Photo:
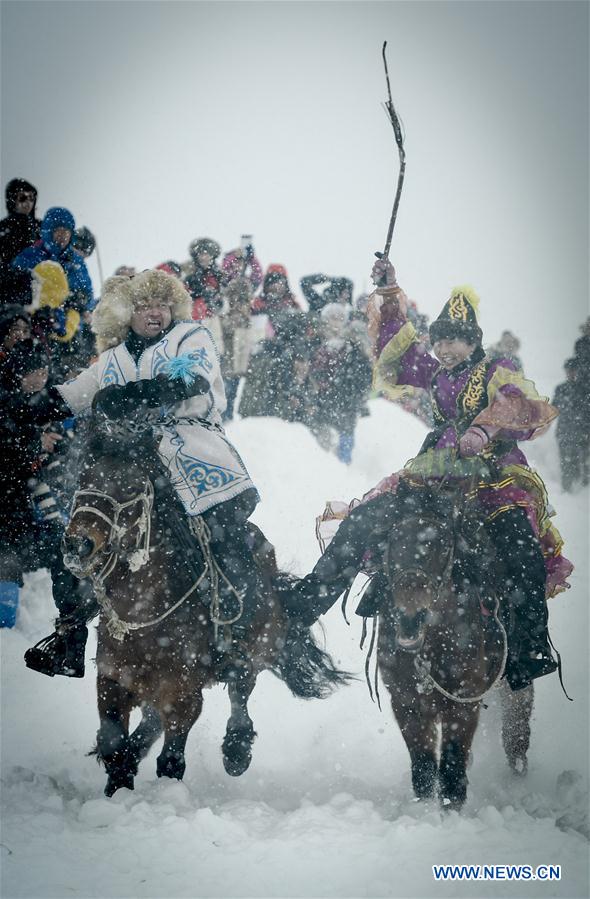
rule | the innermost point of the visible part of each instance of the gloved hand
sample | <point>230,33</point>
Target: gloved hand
<point>383,273</point>
<point>113,401</point>
<point>473,441</point>
<point>249,252</point>
<point>117,401</point>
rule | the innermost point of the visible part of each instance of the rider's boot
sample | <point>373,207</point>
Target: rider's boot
<point>530,654</point>
<point>62,652</point>
<point>524,577</point>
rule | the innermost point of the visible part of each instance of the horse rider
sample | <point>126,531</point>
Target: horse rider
<point>481,409</point>
<point>153,356</point>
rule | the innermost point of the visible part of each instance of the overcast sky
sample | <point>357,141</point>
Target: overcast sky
<point>160,122</point>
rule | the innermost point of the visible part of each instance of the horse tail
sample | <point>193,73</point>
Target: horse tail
<point>308,671</point>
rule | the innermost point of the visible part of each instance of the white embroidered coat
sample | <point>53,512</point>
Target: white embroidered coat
<point>205,469</point>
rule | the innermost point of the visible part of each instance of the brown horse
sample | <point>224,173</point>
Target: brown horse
<point>162,633</point>
<point>442,644</point>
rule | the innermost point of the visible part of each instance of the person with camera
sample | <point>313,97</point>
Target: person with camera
<point>243,263</point>
<point>31,521</point>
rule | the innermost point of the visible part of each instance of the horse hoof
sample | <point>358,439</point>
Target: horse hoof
<point>172,767</point>
<point>519,766</point>
<point>117,783</point>
<point>237,751</point>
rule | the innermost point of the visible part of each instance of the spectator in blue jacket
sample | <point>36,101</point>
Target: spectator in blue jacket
<point>57,229</point>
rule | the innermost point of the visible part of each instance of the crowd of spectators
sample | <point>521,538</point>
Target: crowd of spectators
<point>572,398</point>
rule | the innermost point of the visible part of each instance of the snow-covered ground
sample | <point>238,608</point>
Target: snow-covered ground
<point>326,808</point>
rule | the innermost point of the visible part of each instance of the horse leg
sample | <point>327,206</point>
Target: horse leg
<point>517,708</point>
<point>420,735</point>
<point>458,729</point>
<point>178,718</point>
<point>240,733</point>
<point>146,733</point>
<point>112,739</point>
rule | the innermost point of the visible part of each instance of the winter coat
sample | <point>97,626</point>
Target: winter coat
<point>204,467</point>
<point>235,324</point>
<point>17,232</point>
<point>72,263</point>
<point>247,266</point>
<point>21,456</point>
<point>342,373</point>
<point>205,286</point>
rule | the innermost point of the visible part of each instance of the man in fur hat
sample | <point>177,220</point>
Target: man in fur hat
<point>481,408</point>
<point>153,355</point>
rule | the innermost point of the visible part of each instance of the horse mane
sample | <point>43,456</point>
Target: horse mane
<point>475,556</point>
<point>125,440</point>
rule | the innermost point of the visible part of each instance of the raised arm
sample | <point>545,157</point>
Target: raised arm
<point>402,362</point>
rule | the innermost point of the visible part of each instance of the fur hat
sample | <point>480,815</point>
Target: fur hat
<point>458,317</point>
<point>112,317</point>
<point>50,285</point>
<point>204,245</point>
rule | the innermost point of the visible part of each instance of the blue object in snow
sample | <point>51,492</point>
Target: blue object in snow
<point>8,603</point>
<point>345,447</point>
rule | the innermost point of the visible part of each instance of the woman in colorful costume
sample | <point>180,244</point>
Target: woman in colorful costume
<point>154,356</point>
<point>481,409</point>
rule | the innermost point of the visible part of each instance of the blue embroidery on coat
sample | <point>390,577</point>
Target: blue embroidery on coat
<point>112,373</point>
<point>203,477</point>
<point>160,359</point>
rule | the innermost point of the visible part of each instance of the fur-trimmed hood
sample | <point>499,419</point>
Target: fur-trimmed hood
<point>112,317</point>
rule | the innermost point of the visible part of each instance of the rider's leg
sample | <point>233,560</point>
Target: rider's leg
<point>337,568</point>
<point>522,558</point>
<point>63,651</point>
<point>230,548</point>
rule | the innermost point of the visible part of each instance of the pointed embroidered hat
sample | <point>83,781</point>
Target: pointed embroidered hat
<point>458,318</point>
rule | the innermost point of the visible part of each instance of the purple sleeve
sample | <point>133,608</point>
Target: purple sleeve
<point>509,390</point>
<point>416,367</point>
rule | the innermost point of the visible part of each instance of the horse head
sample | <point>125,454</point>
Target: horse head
<point>111,510</point>
<point>419,560</point>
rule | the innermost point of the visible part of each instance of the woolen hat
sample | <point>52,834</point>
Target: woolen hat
<point>458,318</point>
<point>84,240</point>
<point>56,217</point>
<point>16,187</point>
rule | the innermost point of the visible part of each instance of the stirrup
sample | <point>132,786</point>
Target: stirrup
<point>50,656</point>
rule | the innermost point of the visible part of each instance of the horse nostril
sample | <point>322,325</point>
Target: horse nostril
<point>78,546</point>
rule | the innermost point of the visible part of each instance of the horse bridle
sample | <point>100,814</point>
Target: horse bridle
<point>140,552</point>
<point>428,578</point>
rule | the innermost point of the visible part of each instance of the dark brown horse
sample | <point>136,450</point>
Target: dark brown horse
<point>442,644</point>
<point>161,634</point>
